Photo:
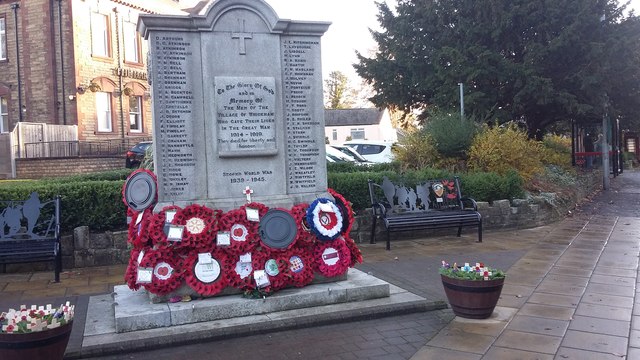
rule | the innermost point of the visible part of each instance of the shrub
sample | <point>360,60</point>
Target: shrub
<point>417,151</point>
<point>556,150</point>
<point>97,204</point>
<point>480,186</point>
<point>451,135</point>
<point>491,186</point>
<point>500,149</point>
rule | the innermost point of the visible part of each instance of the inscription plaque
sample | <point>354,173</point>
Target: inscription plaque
<point>245,112</point>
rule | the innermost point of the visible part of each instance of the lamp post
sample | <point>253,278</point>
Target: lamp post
<point>461,85</point>
<point>605,146</point>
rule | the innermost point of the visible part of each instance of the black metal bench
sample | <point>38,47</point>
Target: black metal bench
<point>30,232</point>
<point>433,204</point>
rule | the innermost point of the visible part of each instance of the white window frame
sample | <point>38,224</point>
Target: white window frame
<point>103,112</point>
<point>131,43</point>
<point>334,134</point>
<point>4,115</point>
<point>357,131</point>
<point>100,35</point>
<point>3,38</point>
<point>135,117</point>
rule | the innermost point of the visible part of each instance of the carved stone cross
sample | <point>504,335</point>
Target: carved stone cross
<point>242,36</point>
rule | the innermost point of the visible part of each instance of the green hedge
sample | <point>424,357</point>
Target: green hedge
<point>96,200</point>
<point>480,186</point>
<point>94,203</point>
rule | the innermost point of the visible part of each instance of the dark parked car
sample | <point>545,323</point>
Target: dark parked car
<point>136,154</point>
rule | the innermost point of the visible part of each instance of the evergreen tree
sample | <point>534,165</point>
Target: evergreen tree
<point>537,62</point>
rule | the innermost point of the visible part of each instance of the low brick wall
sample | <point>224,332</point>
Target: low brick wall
<point>56,167</point>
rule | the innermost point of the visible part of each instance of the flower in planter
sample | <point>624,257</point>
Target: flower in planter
<point>468,272</point>
<point>35,318</point>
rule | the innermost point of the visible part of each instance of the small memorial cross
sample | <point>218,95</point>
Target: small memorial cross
<point>247,191</point>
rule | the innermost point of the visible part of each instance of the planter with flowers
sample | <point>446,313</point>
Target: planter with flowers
<point>35,333</point>
<point>472,291</point>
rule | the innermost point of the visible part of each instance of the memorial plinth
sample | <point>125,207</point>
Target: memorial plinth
<point>237,101</point>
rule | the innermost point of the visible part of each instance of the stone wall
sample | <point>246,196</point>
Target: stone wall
<point>55,167</point>
<point>85,249</point>
<point>500,214</point>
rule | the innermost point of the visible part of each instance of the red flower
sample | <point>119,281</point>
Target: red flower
<point>139,228</point>
<point>356,255</point>
<point>156,226</point>
<point>304,237</point>
<point>343,204</point>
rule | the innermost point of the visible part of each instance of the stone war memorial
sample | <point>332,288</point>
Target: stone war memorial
<point>238,208</point>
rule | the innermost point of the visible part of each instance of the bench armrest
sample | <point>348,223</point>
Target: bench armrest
<point>468,203</point>
<point>378,209</point>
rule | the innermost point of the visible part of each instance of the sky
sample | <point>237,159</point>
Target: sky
<point>349,32</point>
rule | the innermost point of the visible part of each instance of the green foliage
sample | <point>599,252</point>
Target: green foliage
<point>483,186</point>
<point>338,94</point>
<point>353,167</point>
<point>556,150</point>
<point>456,272</point>
<point>452,136</point>
<point>417,151</point>
<point>113,175</point>
<point>500,149</point>
<point>480,186</point>
<point>97,204</point>
<point>147,161</point>
<point>537,61</point>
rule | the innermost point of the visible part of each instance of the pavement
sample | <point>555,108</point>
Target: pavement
<point>570,293</point>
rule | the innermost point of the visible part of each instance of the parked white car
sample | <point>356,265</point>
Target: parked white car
<point>335,155</point>
<point>374,151</point>
<point>352,153</point>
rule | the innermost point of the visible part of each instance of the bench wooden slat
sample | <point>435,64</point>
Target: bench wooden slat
<point>435,204</point>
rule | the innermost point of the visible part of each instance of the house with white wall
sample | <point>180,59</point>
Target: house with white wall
<point>358,124</point>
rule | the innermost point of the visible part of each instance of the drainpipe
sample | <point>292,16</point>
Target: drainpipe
<point>64,93</point>
<point>115,10</point>
<point>15,7</point>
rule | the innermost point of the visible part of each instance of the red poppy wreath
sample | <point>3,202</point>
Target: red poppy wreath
<point>332,258</point>
<point>167,273</point>
<point>205,272</point>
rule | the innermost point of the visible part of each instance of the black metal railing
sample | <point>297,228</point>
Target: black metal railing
<point>45,149</point>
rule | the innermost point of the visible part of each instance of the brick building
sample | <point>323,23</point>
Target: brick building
<point>77,62</point>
